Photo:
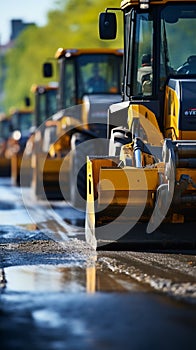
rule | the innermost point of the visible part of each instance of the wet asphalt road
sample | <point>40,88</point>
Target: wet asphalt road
<point>57,293</point>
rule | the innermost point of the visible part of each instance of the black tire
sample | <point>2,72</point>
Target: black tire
<point>80,148</point>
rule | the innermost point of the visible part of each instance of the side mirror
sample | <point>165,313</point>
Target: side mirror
<point>27,101</point>
<point>47,70</point>
<point>107,25</point>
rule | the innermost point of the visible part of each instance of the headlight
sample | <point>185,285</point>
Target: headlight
<point>16,135</point>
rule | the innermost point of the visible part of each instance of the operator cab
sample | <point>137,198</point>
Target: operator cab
<point>86,72</point>
<point>172,24</point>
<point>90,73</point>
<point>164,34</point>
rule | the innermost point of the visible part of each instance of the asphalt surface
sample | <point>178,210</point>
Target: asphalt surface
<point>56,292</point>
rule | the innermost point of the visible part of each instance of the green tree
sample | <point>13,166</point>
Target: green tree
<point>72,24</point>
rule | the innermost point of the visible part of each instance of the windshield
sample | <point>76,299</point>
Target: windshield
<point>99,74</point>
<point>177,46</point>
<point>178,40</point>
<point>48,105</point>
<point>91,74</point>
<point>22,121</point>
<point>142,55</point>
<point>51,102</point>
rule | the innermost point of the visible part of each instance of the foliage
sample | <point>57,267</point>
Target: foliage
<point>71,24</point>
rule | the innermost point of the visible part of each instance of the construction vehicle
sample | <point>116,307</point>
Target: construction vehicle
<point>45,105</point>
<point>45,101</point>
<point>143,192</point>
<point>21,123</point>
<point>82,115</point>
<point>5,164</point>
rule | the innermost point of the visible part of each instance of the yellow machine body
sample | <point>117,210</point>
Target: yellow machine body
<point>82,112</point>
<point>144,190</point>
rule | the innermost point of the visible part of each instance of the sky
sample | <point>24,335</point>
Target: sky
<point>27,10</point>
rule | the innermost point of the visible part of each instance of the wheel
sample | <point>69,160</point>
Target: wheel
<point>165,191</point>
<point>80,148</point>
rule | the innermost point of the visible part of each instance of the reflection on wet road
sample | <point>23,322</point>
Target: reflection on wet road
<point>37,278</point>
<point>18,206</point>
<point>52,278</point>
<point>79,321</point>
<point>50,307</point>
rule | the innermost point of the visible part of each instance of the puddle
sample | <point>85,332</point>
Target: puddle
<point>42,278</point>
<point>22,209</point>
<point>59,278</point>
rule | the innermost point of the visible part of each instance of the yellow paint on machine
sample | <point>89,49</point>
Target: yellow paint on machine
<point>124,186</point>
